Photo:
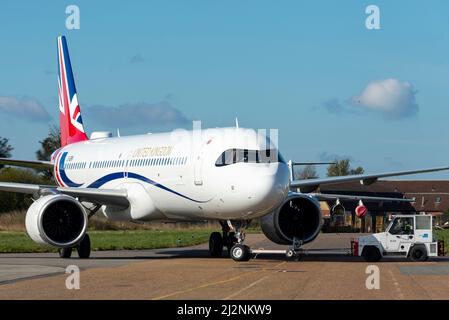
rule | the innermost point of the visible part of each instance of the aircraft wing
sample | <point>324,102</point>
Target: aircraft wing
<point>322,196</point>
<point>309,185</point>
<point>35,164</point>
<point>113,197</point>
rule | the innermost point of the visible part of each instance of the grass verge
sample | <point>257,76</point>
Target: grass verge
<point>16,241</point>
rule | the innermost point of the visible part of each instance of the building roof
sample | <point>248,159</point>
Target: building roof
<point>430,195</point>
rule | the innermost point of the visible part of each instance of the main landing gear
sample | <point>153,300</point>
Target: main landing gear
<point>232,239</point>
<point>83,249</point>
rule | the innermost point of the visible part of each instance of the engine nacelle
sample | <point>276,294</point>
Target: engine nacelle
<point>298,216</point>
<point>57,220</point>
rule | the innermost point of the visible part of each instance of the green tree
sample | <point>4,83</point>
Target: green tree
<point>49,145</point>
<point>343,168</point>
<point>10,201</point>
<point>358,170</point>
<point>308,172</point>
<point>5,149</point>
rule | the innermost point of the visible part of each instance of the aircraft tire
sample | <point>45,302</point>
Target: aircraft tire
<point>65,253</point>
<point>84,247</point>
<point>240,252</point>
<point>215,244</point>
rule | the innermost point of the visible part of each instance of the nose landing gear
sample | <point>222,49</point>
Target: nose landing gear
<point>240,252</point>
<point>232,238</point>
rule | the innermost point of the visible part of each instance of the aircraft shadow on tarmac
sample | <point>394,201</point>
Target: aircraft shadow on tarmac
<point>179,253</point>
<point>204,254</point>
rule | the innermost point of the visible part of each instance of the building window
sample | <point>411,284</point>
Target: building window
<point>438,200</point>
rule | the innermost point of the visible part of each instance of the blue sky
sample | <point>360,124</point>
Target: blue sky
<point>309,68</point>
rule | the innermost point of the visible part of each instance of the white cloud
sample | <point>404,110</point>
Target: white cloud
<point>392,97</point>
<point>24,108</point>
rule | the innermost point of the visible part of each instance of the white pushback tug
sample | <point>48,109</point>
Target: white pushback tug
<point>406,235</point>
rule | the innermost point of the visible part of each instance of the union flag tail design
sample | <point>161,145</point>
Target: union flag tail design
<point>70,120</point>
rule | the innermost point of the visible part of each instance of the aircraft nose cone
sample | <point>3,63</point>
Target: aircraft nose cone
<point>272,188</point>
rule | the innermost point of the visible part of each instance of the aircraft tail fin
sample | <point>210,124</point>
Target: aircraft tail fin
<point>71,123</point>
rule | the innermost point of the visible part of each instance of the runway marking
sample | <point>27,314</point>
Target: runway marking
<point>396,284</point>
<point>209,284</point>
<point>246,288</point>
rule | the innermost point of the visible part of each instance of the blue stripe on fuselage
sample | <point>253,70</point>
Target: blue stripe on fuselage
<point>114,176</point>
<point>64,177</point>
<point>119,175</point>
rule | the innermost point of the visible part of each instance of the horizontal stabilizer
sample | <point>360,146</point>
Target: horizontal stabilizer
<point>35,164</point>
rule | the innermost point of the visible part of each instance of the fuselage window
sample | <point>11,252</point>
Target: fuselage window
<point>232,156</point>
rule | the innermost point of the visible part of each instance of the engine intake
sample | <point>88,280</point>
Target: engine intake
<point>298,216</point>
<point>57,220</point>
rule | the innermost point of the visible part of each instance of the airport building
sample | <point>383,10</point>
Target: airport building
<point>430,196</point>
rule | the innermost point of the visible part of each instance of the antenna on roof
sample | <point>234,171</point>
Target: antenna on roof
<point>236,122</point>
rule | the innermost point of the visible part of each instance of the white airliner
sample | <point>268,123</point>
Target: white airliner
<point>230,175</point>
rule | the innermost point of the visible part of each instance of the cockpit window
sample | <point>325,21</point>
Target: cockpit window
<point>232,156</point>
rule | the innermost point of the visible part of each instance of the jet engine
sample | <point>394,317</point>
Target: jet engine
<point>299,216</point>
<point>57,220</point>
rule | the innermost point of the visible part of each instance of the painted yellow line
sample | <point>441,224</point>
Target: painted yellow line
<point>209,284</point>
<point>247,287</point>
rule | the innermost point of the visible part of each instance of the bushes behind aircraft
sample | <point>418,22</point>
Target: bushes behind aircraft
<point>10,201</point>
